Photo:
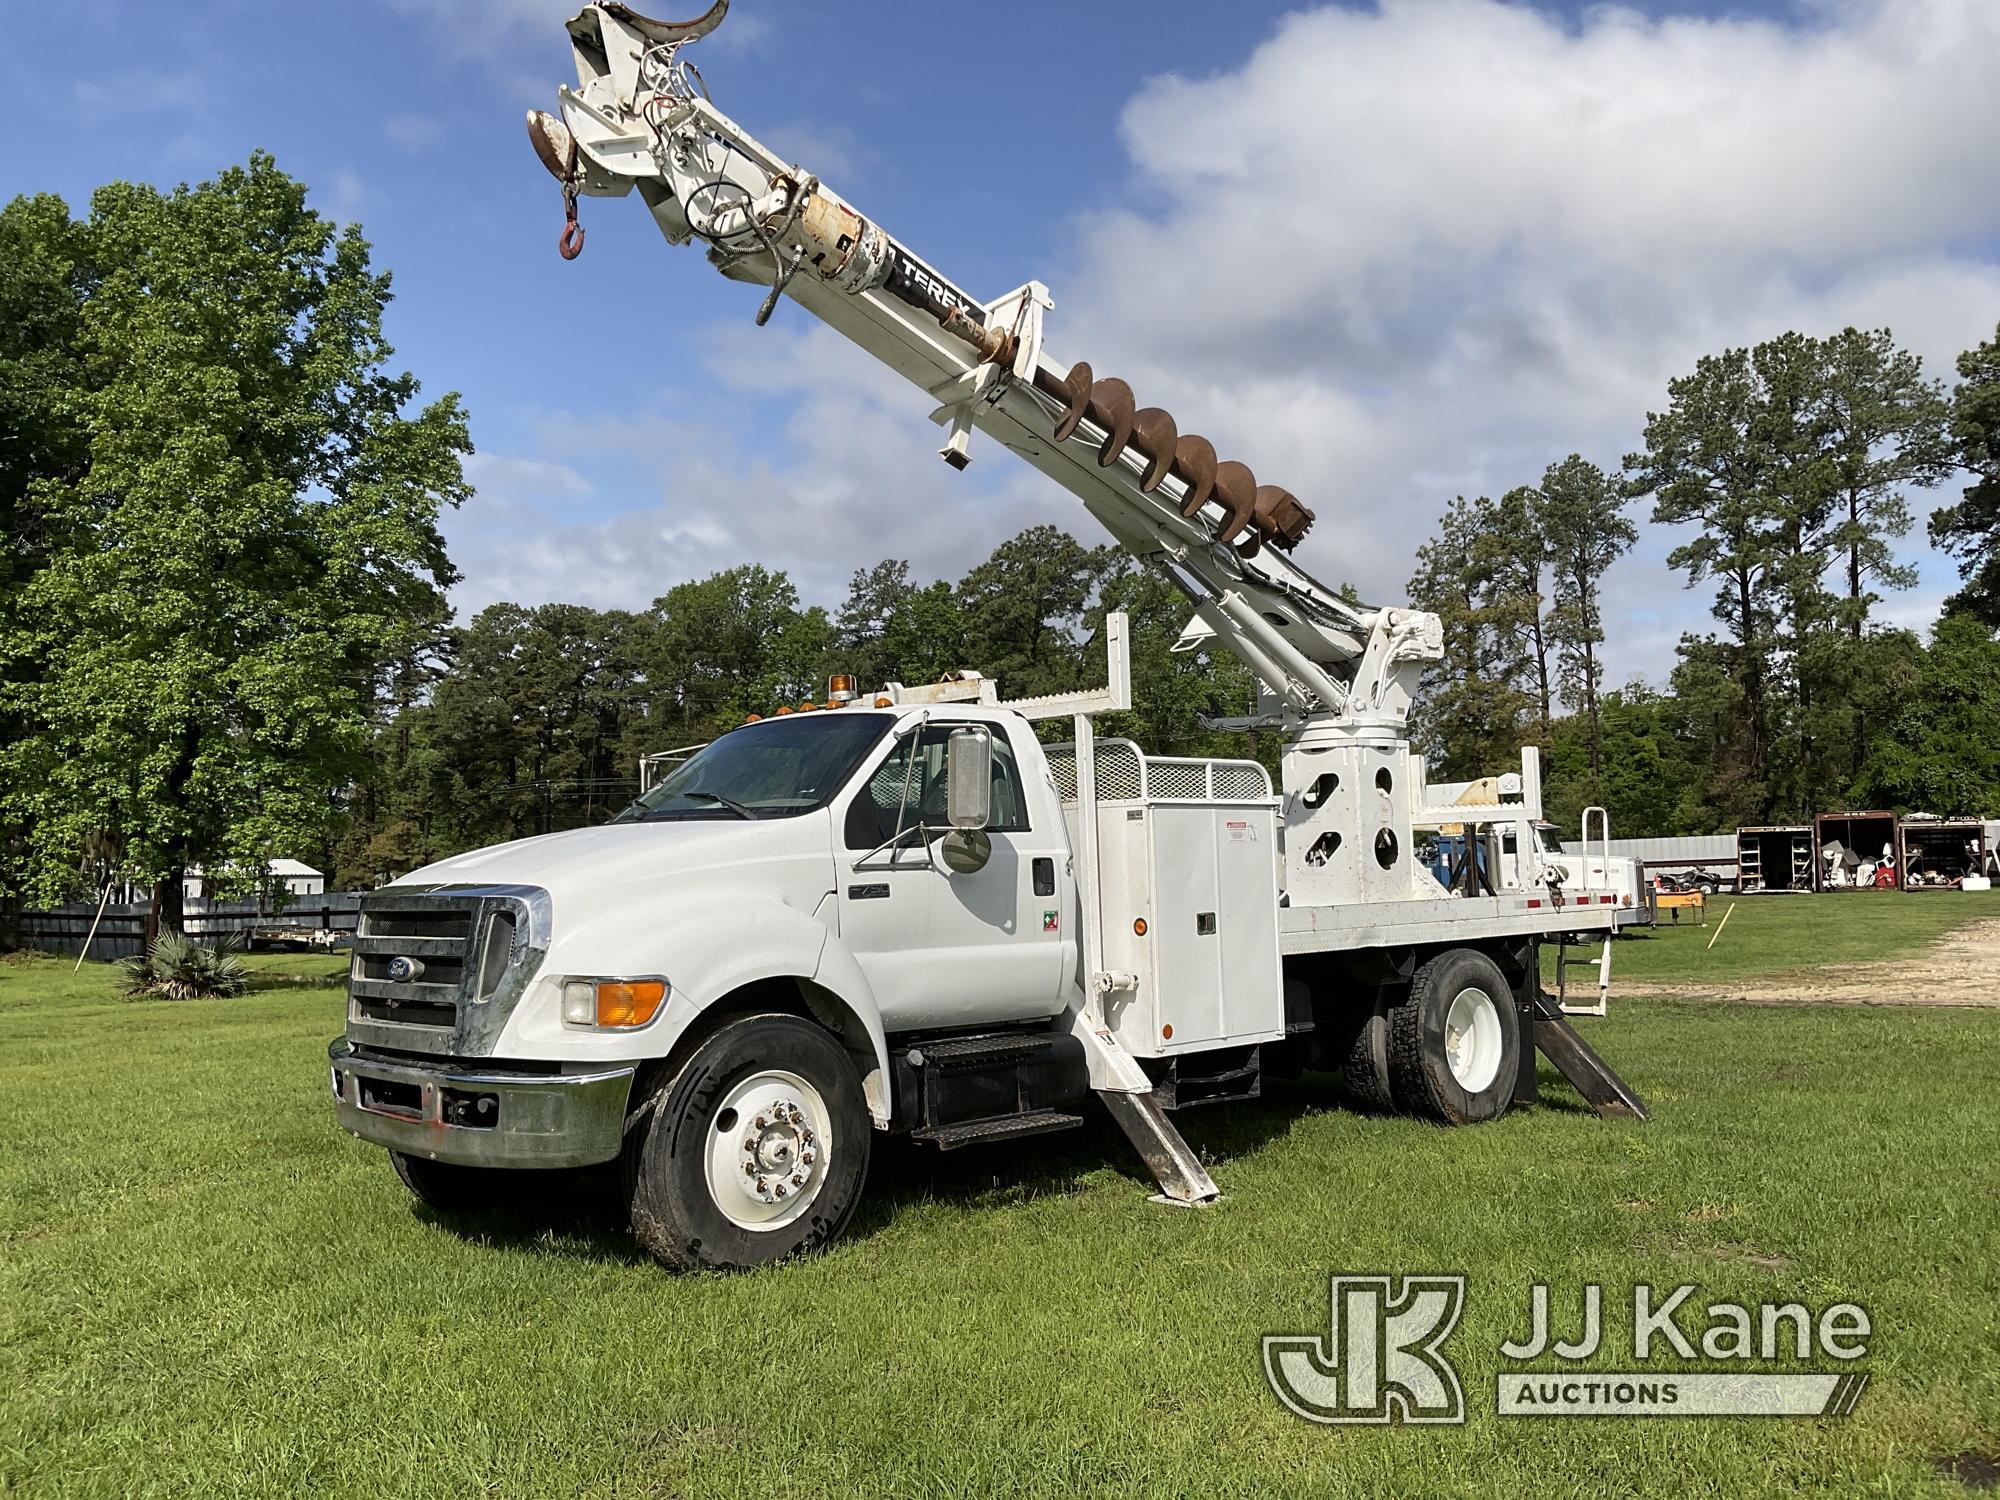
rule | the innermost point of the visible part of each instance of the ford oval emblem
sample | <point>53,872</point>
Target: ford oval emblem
<point>403,970</point>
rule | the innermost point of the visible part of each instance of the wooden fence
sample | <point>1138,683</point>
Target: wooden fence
<point>122,933</point>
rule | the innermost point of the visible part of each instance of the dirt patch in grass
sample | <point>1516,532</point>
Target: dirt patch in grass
<point>1976,1471</point>
<point>1959,968</point>
<point>1724,1250</point>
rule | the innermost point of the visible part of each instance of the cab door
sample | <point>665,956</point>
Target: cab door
<point>943,948</point>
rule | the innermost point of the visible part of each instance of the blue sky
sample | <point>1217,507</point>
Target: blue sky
<point>1388,252</point>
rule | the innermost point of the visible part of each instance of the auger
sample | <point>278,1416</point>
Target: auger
<point>900,910</point>
<point>642,117</point>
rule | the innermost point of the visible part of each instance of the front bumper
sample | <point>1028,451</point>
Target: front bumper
<point>454,1113</point>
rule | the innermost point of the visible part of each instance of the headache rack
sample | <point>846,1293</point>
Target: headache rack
<point>1125,773</point>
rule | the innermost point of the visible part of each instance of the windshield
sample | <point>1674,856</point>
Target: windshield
<point>774,768</point>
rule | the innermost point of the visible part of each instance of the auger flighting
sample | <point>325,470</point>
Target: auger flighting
<point>641,117</point>
<point>910,913</point>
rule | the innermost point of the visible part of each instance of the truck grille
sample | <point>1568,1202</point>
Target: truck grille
<point>438,970</point>
<point>431,942</point>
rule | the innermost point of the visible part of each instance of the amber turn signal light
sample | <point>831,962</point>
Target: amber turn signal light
<point>629,1002</point>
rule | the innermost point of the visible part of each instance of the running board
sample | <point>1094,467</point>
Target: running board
<point>996,1128</point>
<point>1170,1159</point>
<point>1602,1089</point>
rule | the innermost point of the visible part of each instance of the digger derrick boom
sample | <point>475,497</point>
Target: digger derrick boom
<point>1338,677</point>
<point>641,117</point>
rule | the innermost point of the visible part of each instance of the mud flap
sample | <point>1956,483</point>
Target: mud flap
<point>1558,1041</point>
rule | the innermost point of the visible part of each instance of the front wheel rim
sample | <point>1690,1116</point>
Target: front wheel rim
<point>769,1145</point>
<point>1472,1039</point>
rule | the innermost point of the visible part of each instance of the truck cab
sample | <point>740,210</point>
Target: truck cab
<point>860,872</point>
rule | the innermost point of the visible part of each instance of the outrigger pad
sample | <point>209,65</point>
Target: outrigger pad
<point>1603,1090</point>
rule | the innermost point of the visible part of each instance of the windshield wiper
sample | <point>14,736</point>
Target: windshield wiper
<point>729,802</point>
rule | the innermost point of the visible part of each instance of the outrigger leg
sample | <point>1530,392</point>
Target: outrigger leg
<point>1602,1089</point>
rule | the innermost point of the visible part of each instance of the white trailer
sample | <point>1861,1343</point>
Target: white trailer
<point>901,912</point>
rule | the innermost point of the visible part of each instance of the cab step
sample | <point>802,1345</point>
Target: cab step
<point>996,1128</point>
<point>958,1090</point>
<point>967,1053</point>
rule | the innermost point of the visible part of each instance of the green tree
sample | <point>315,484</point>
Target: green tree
<point>1582,528</point>
<point>250,537</point>
<point>924,637</point>
<point>1473,711</point>
<point>1650,764</point>
<point>1885,429</point>
<point>864,619</point>
<point>732,644</point>
<point>385,827</point>
<point>1172,691</point>
<point>1970,530</point>
<point>1708,463</point>
<point>44,276</point>
<point>1941,750</point>
<point>891,630</point>
<point>1522,567</point>
<point>1025,608</point>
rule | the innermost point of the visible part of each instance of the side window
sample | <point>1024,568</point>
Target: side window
<point>1010,808</point>
<point>872,816</point>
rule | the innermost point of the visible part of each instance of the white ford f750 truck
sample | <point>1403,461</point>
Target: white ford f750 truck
<point>901,911</point>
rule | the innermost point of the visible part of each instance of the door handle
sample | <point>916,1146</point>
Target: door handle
<point>1045,876</point>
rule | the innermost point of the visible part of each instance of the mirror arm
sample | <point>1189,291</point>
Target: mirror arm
<point>897,838</point>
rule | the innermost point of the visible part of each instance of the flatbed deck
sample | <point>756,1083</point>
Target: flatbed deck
<point>1457,921</point>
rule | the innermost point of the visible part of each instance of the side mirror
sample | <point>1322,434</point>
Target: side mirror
<point>969,778</point>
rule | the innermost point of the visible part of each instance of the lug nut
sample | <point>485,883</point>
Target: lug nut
<point>781,1190</point>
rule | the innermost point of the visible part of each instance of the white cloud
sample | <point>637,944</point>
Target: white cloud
<point>832,152</point>
<point>415,134</point>
<point>1397,254</point>
<point>142,91</point>
<point>1429,247</point>
<point>344,195</point>
<point>834,469</point>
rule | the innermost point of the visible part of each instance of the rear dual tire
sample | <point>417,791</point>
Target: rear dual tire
<point>1454,1041</point>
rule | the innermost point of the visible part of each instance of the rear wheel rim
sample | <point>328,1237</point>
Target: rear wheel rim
<point>769,1142</point>
<point>1472,1039</point>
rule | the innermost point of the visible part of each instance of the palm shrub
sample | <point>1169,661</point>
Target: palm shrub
<point>176,968</point>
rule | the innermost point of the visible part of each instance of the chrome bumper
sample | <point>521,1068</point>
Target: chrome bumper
<point>456,1114</point>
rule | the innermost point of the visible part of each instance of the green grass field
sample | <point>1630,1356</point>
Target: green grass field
<point>206,1289</point>
<point>1772,935</point>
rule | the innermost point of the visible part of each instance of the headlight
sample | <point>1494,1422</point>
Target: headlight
<point>612,1004</point>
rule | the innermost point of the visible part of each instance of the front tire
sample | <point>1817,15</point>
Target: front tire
<point>752,1150</point>
<point>1455,1041</point>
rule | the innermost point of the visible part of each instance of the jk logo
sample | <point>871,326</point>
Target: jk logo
<point>1379,1361</point>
